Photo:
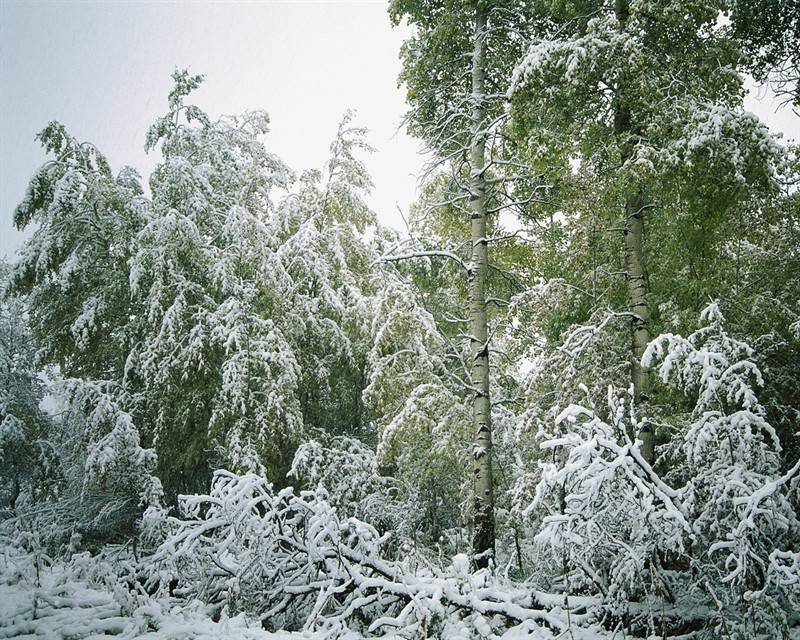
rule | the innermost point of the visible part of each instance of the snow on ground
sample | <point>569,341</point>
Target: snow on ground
<point>65,608</point>
<point>75,611</point>
<point>63,604</point>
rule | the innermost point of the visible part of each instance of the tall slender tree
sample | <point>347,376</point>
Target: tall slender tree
<point>483,534</point>
<point>456,68</point>
<point>633,229</point>
<point>644,99</point>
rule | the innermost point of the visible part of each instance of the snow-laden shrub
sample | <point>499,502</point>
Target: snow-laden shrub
<point>346,471</point>
<point>294,562</point>
<point>99,477</point>
<point>116,462</point>
<point>25,458</point>
<point>245,546</point>
<point>728,456</point>
<point>714,529</point>
<point>609,521</point>
<point>415,395</point>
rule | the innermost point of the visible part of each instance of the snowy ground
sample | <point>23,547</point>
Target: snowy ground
<point>75,611</point>
<point>65,608</point>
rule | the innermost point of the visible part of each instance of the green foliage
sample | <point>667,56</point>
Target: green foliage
<point>436,70</point>
<point>74,270</point>
<point>221,320</point>
<point>25,457</point>
<point>770,32</point>
<point>242,316</point>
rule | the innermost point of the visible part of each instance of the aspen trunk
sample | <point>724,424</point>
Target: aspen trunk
<point>636,280</point>
<point>637,302</point>
<point>637,294</point>
<point>483,496</point>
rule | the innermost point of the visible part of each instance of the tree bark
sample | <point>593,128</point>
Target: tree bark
<point>635,277</point>
<point>483,494</point>
<point>637,302</point>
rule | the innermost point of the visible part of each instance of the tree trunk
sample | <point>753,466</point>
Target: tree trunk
<point>637,302</point>
<point>483,497</point>
<point>635,207</point>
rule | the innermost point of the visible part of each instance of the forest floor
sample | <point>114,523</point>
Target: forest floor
<point>59,606</point>
<point>62,604</point>
<point>71,611</point>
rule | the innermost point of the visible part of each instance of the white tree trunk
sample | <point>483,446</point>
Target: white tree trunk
<point>637,301</point>
<point>635,277</point>
<point>483,497</point>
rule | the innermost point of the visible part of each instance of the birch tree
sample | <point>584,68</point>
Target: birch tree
<point>483,535</point>
<point>455,67</point>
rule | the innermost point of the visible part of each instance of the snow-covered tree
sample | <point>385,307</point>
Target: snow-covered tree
<point>73,269</point>
<point>205,268</point>
<point>456,67</point>
<point>718,528</point>
<point>224,314</point>
<point>645,99</point>
<point>24,453</point>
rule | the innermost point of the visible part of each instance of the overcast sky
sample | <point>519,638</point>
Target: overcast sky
<point>102,68</point>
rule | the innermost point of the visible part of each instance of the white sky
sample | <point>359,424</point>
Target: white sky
<point>102,68</point>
